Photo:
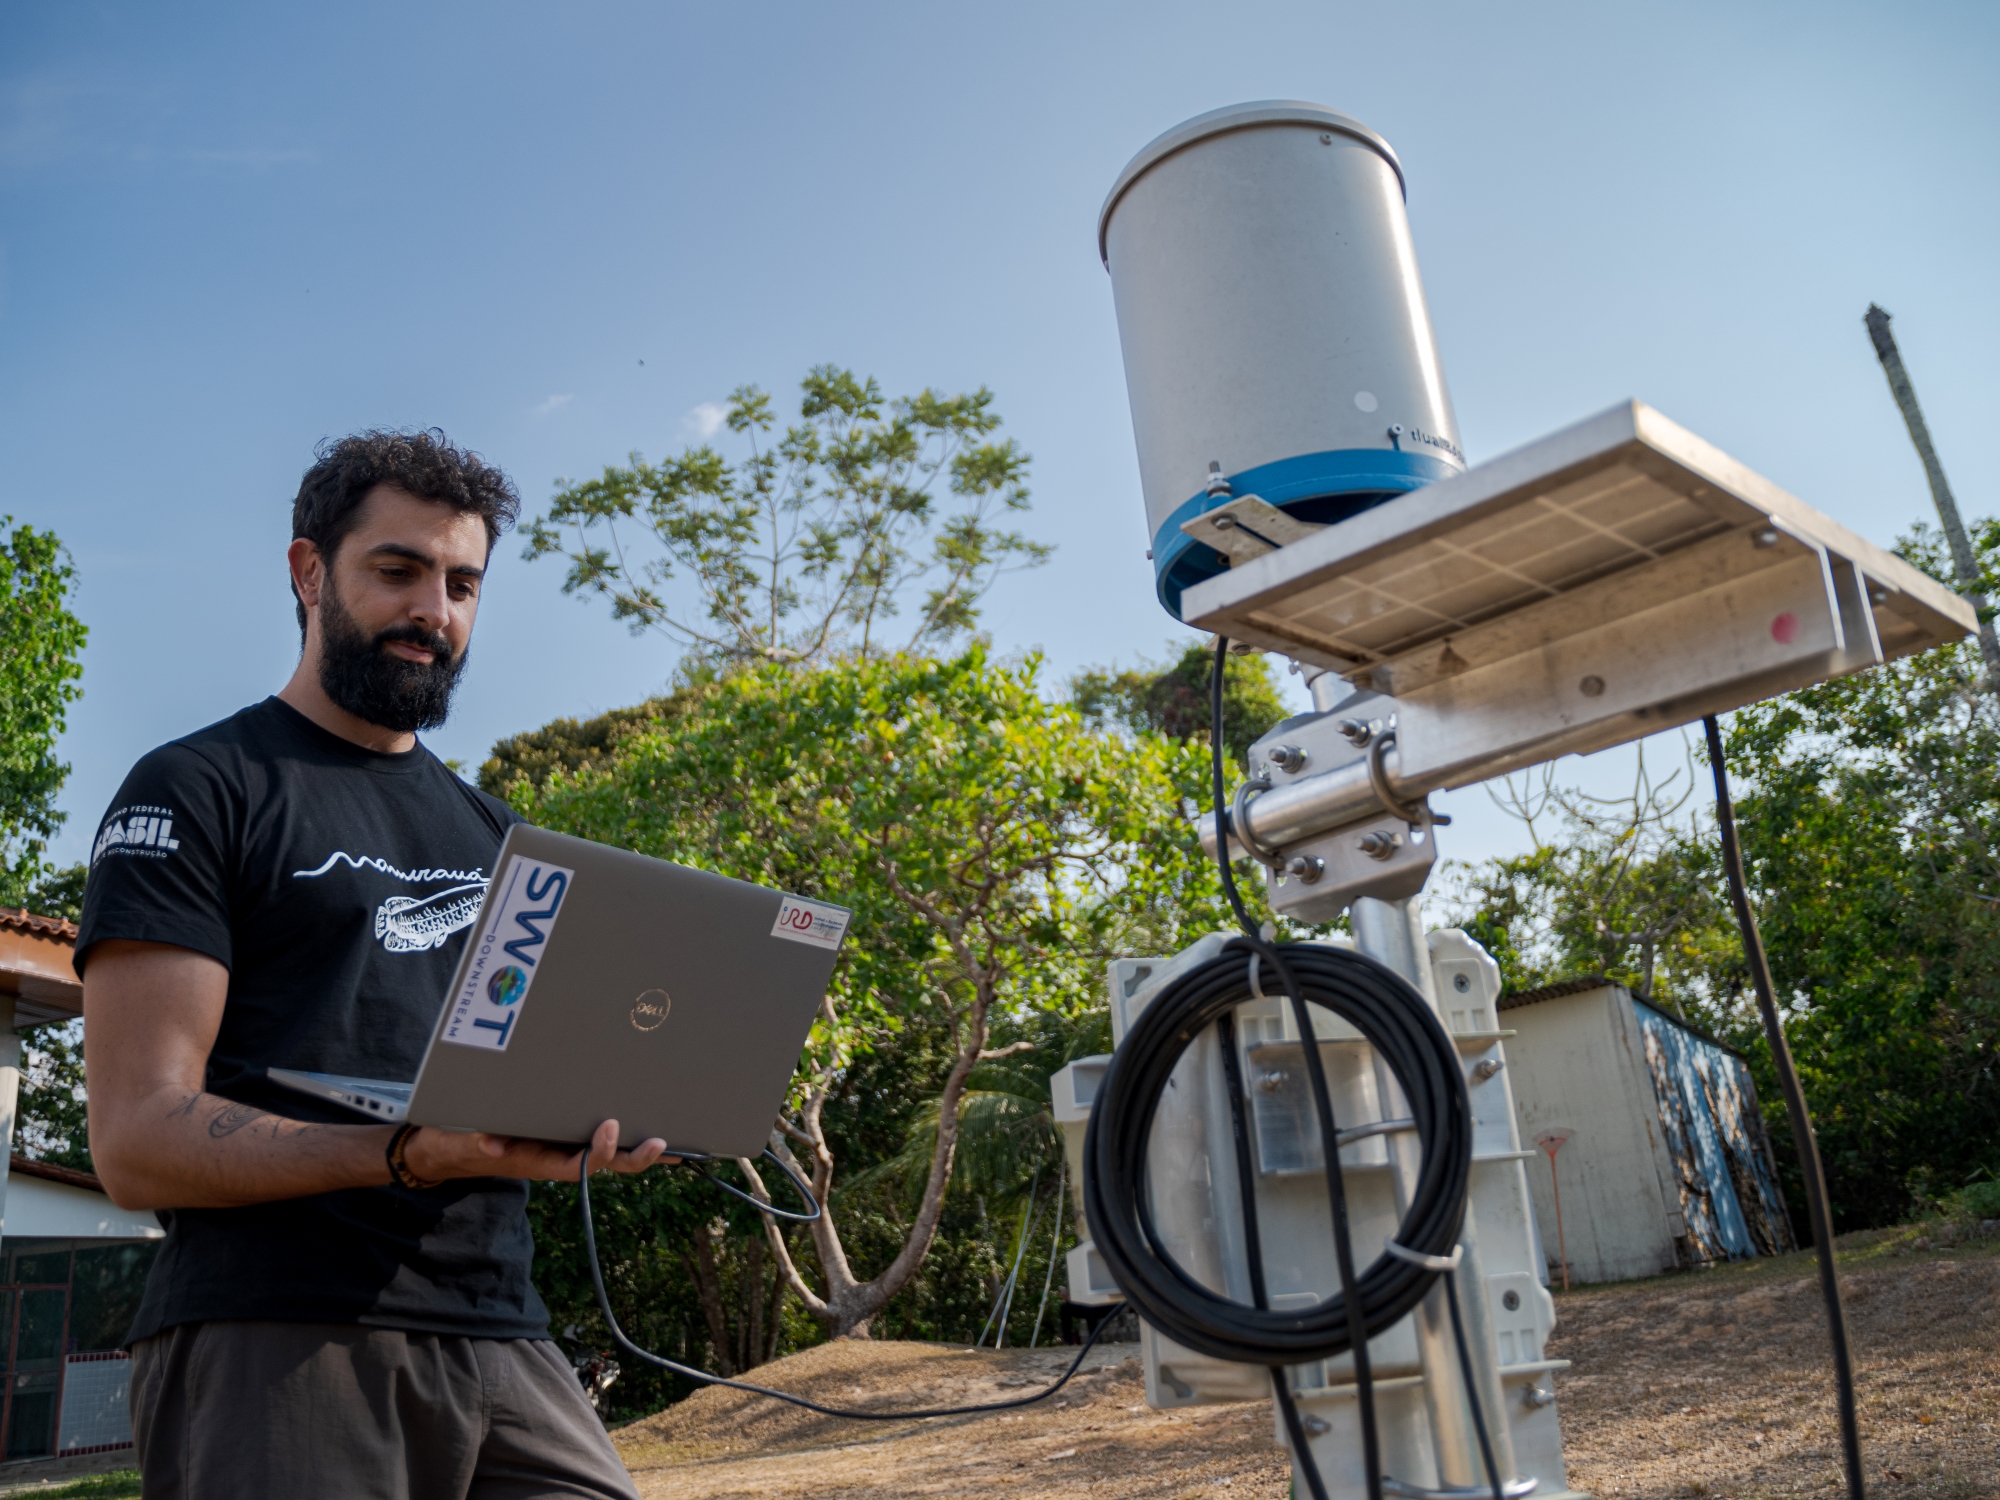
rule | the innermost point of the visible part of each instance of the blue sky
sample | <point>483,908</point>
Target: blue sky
<point>228,231</point>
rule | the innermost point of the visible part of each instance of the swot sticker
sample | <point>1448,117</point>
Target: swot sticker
<point>810,922</point>
<point>506,953</point>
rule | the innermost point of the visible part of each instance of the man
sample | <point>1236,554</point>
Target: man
<point>339,1309</point>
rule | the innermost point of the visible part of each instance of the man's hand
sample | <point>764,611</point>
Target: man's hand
<point>440,1155</point>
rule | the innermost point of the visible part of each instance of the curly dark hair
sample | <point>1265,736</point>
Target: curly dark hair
<point>425,464</point>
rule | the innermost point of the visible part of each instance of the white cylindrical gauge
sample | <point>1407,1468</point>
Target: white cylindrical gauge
<point>1273,324</point>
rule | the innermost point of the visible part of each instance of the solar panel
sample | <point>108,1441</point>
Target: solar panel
<point>1608,581</point>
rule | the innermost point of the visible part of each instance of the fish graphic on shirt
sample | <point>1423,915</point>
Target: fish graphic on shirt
<point>411,924</point>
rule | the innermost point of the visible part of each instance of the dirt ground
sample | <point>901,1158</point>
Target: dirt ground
<point>1706,1385</point>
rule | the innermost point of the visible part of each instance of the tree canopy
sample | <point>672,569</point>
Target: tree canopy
<point>994,849</point>
<point>41,643</point>
<point>810,545</point>
<point>1172,698</point>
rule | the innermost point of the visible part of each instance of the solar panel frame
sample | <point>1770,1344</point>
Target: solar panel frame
<point>1616,495</point>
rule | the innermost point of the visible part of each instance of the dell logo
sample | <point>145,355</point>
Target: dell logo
<point>650,1009</point>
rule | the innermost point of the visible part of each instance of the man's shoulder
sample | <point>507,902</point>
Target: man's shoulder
<point>491,809</point>
<point>211,749</point>
<point>248,730</point>
<point>501,813</point>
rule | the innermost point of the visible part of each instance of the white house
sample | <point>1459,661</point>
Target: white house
<point>72,1263</point>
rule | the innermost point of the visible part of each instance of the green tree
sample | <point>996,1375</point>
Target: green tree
<point>811,545</point>
<point>994,851</point>
<point>1172,700</point>
<point>51,1123</point>
<point>1626,887</point>
<point>1870,813</point>
<point>40,643</point>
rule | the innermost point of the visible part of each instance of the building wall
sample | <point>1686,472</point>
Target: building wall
<point>1715,1137</point>
<point>1579,1064</point>
<point>36,1206</point>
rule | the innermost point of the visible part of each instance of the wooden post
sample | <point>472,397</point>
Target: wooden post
<point>1964,562</point>
<point>1553,1141</point>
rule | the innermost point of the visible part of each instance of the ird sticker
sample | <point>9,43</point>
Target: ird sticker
<point>506,953</point>
<point>810,922</point>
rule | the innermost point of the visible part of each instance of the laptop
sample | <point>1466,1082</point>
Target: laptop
<point>601,984</point>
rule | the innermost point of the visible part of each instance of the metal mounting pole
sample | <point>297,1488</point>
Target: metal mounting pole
<point>1964,562</point>
<point>1392,933</point>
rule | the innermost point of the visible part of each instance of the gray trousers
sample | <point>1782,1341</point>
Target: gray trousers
<point>331,1411</point>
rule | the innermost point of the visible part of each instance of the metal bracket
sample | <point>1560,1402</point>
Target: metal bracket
<point>1428,1262</point>
<point>1247,527</point>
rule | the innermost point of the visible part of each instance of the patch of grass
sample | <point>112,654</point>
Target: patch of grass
<point>120,1485</point>
<point>1851,1252</point>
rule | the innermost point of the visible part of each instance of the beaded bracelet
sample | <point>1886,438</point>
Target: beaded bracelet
<point>399,1167</point>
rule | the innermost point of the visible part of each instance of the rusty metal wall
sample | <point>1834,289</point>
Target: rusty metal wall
<point>1715,1137</point>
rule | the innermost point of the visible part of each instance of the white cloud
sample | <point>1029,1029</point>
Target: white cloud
<point>705,421</point>
<point>553,403</point>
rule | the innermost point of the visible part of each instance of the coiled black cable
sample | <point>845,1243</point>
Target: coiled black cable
<point>1394,1020</point>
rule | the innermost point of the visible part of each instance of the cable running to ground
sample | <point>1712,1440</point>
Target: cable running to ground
<point>1803,1140</point>
<point>689,1372</point>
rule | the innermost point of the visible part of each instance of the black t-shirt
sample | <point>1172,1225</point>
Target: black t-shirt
<point>336,884</point>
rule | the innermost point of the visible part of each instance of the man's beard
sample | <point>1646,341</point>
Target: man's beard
<point>376,687</point>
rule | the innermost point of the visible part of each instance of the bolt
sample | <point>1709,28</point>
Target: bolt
<point>1326,140</point>
<point>1460,983</point>
<point>1218,482</point>
<point>1765,537</point>
<point>1535,1398</point>
<point>1223,523</point>
<point>1485,1068</point>
<point>1313,1425</point>
<point>1511,1301</point>
<point>1358,731</point>
<point>1149,554</point>
<point>1286,757</point>
<point>1591,686</point>
<point>1304,870</point>
<point>1381,844</point>
<point>1270,1083</point>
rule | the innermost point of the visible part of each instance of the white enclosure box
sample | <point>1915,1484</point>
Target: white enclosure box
<point>1198,1214</point>
<point>1273,324</point>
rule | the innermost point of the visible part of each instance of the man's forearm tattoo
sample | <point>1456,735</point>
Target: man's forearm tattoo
<point>232,1118</point>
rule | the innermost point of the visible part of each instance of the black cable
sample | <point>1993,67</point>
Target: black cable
<point>695,1159</point>
<point>1803,1140</point>
<point>1471,1385</point>
<point>689,1372</point>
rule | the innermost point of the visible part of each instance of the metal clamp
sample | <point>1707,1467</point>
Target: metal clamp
<point>1355,1133</point>
<point>1418,816</point>
<point>1239,821</point>
<point>1512,1489</point>
<point>1429,1263</point>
